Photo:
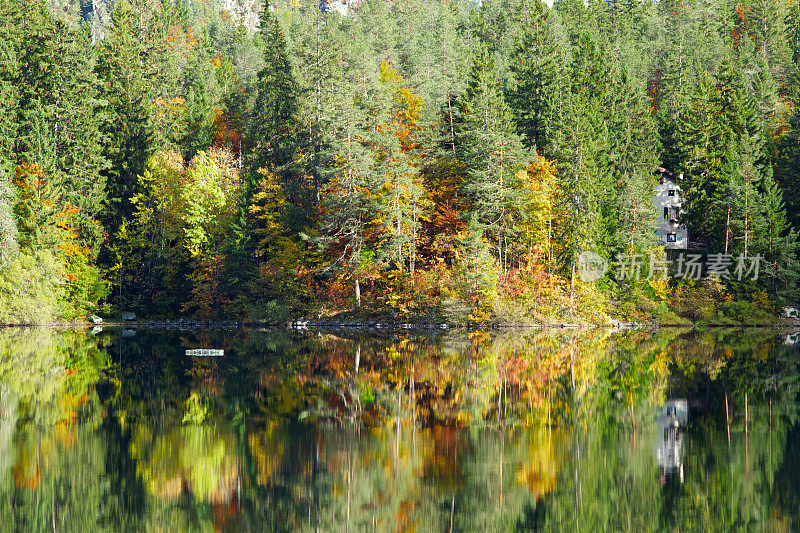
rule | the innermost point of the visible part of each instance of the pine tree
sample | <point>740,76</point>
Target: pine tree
<point>745,223</point>
<point>778,241</point>
<point>583,177</point>
<point>316,49</point>
<point>535,65</point>
<point>121,66</point>
<point>772,48</point>
<point>580,20</point>
<point>792,22</point>
<point>770,107</point>
<point>437,63</point>
<point>736,100</point>
<point>579,149</point>
<point>59,116</point>
<point>271,135</point>
<point>203,94</point>
<point>9,114</point>
<point>11,25</point>
<point>8,225</point>
<point>346,112</point>
<point>692,46</point>
<point>706,143</point>
<point>492,151</point>
<point>725,155</point>
<point>632,156</point>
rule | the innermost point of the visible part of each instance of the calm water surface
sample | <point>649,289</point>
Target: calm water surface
<point>580,431</point>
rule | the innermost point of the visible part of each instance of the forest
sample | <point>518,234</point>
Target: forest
<point>417,160</point>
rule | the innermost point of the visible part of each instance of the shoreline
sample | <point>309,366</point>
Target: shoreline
<point>376,325</point>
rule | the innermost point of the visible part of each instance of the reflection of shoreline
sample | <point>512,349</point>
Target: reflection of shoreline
<point>483,432</point>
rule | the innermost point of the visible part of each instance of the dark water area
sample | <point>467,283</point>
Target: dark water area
<point>304,431</point>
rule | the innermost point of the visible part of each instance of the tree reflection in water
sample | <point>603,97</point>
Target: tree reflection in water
<point>287,431</point>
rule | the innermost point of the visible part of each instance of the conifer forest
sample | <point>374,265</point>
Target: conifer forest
<point>407,160</point>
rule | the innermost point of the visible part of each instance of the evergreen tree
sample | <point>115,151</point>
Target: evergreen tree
<point>579,149</point>
<point>770,107</point>
<point>736,99</point>
<point>9,114</point>
<point>316,49</point>
<point>11,24</point>
<point>492,152</point>
<point>723,154</point>
<point>121,66</point>
<point>377,22</point>
<point>202,94</point>
<point>693,45</point>
<point>535,65</point>
<point>745,223</point>
<point>59,116</point>
<point>436,60</point>
<point>778,241</point>
<point>350,108</point>
<point>772,48</point>
<point>706,144</point>
<point>787,167</point>
<point>632,156</point>
<point>792,22</point>
<point>272,132</point>
<point>8,225</point>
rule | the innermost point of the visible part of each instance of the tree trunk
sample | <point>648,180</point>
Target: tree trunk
<point>549,238</point>
<point>572,286</point>
<point>413,250</point>
<point>727,229</point>
<point>746,213</point>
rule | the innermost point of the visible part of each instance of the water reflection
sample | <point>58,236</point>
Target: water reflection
<point>469,431</point>
<point>669,453</point>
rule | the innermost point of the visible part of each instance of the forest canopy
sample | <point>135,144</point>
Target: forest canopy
<point>443,160</point>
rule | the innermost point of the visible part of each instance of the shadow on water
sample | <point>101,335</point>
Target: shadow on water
<point>464,431</point>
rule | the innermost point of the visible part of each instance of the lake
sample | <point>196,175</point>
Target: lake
<point>398,431</point>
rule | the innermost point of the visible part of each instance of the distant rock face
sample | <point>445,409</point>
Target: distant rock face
<point>100,18</point>
<point>245,12</point>
<point>342,7</point>
<point>98,12</point>
<point>74,12</point>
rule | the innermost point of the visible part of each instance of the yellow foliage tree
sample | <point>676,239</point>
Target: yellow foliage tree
<point>539,183</point>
